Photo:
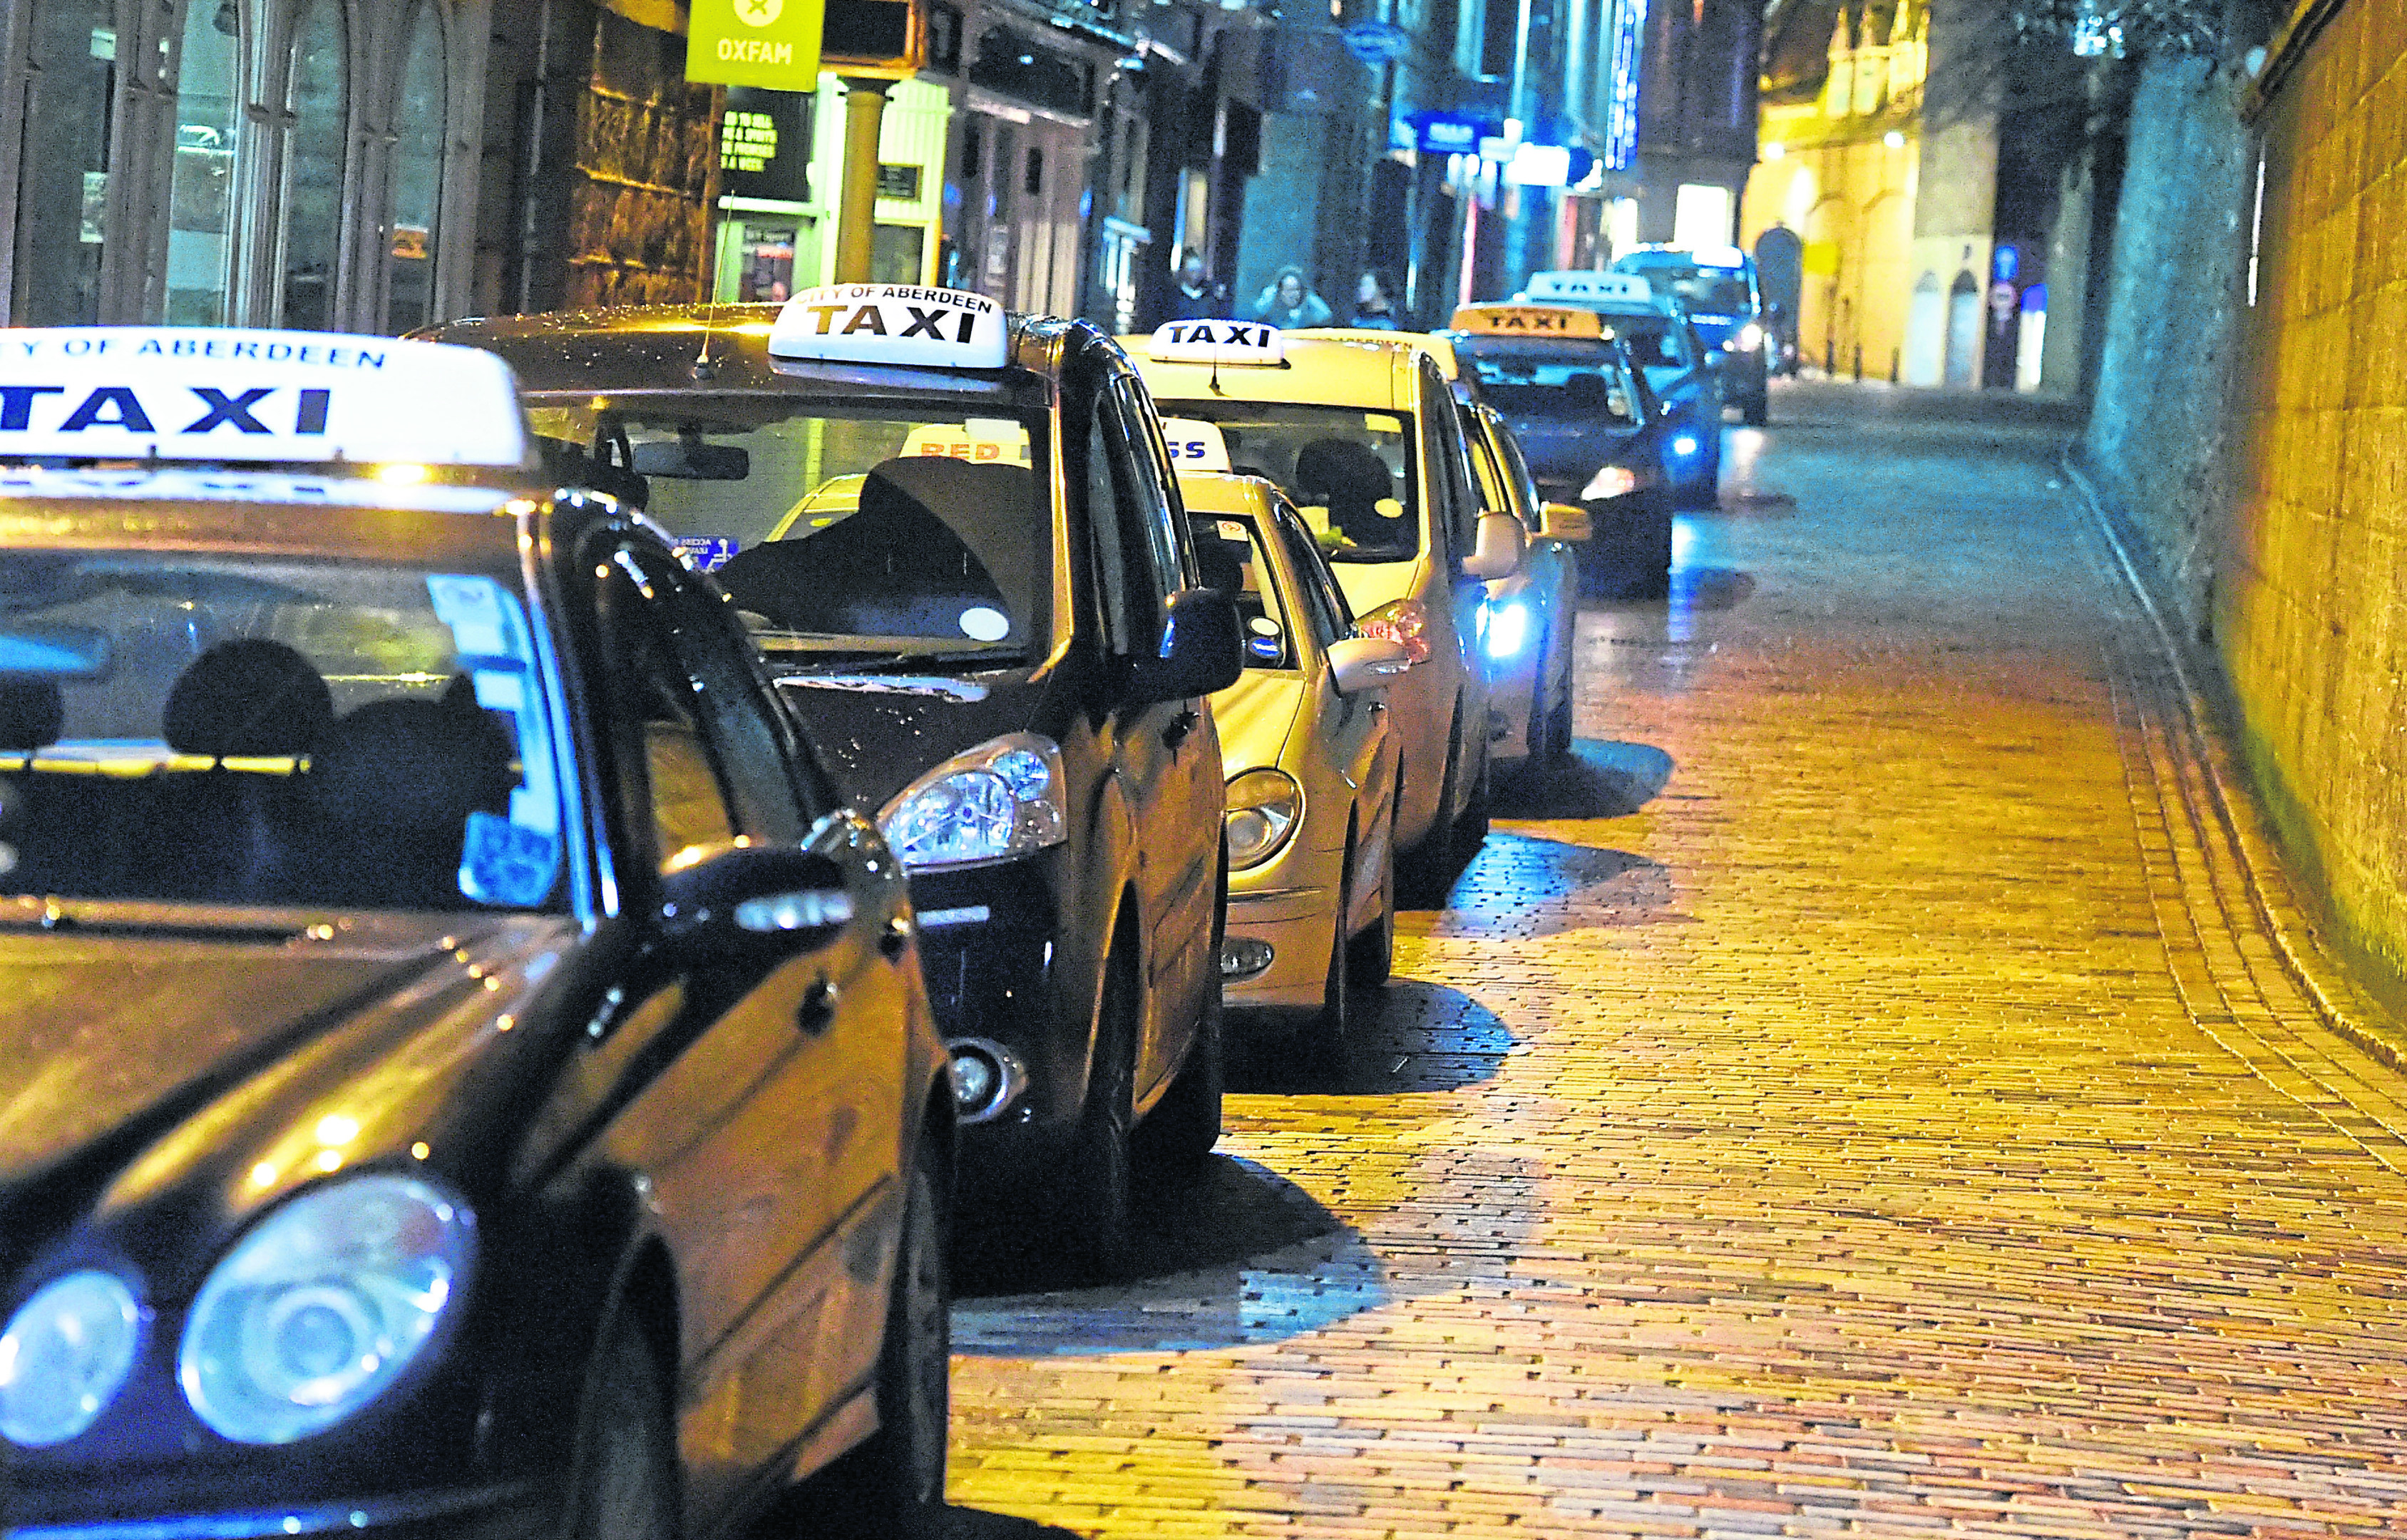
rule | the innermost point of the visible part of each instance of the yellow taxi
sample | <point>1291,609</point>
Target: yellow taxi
<point>1364,436</point>
<point>1310,760</point>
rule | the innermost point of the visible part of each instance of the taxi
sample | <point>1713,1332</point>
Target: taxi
<point>957,536</point>
<point>1581,416</point>
<point>1678,368</point>
<point>1718,287</point>
<point>1364,437</point>
<point>1311,763</point>
<point>466,1066</point>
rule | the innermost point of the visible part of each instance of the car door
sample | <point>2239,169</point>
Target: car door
<point>1349,725</point>
<point>1462,594</point>
<point>740,1107</point>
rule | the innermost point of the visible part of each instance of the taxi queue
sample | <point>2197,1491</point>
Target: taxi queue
<point>543,866</point>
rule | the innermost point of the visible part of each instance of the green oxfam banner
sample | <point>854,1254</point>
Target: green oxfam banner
<point>773,44</point>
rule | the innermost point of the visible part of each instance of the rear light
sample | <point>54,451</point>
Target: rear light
<point>1404,623</point>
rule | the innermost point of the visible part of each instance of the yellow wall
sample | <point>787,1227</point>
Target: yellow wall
<point>1852,203</point>
<point>2310,598</point>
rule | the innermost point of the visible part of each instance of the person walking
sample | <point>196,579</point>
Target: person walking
<point>1196,297</point>
<point>1371,306</point>
<point>1288,303</point>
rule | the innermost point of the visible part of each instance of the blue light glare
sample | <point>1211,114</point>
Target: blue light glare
<point>1507,630</point>
<point>1684,445</point>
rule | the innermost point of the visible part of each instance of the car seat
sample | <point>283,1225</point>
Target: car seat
<point>1348,479</point>
<point>384,807</point>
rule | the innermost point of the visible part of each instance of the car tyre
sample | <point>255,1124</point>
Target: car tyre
<point>1097,1199</point>
<point>1757,410</point>
<point>1429,867</point>
<point>1470,828</point>
<point>1655,562</point>
<point>1328,1046</point>
<point>1371,952</point>
<point>1182,1127</point>
<point>623,1478</point>
<point>893,1483</point>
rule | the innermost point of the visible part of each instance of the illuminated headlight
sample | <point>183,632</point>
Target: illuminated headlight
<point>1265,808</point>
<point>987,1078</point>
<point>1003,798</point>
<point>1611,482</point>
<point>315,1312</point>
<point>1749,337</point>
<point>65,1355</point>
<point>1507,630</point>
<point>1685,446</point>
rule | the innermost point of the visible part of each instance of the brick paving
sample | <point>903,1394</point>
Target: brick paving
<point>1863,1096</point>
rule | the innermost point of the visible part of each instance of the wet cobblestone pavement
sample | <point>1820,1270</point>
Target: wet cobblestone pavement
<point>1861,1095</point>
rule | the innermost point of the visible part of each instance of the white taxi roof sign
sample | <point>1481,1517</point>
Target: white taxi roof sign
<point>1579,284</point>
<point>237,396</point>
<point>1542,320</point>
<point>896,323</point>
<point>1221,342</point>
<point>1195,446</point>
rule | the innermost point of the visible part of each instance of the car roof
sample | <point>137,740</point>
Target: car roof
<point>1225,491</point>
<point>1439,346</point>
<point>725,349</point>
<point>1369,369</point>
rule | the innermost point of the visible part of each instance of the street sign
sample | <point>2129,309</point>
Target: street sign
<point>764,146</point>
<point>772,44</point>
<point>1452,133</point>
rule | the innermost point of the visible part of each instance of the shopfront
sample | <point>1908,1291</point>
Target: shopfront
<point>286,162</point>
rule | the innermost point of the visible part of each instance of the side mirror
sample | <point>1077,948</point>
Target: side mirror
<point>1358,664</point>
<point>1499,549</point>
<point>1565,521</point>
<point>729,898</point>
<point>1202,648</point>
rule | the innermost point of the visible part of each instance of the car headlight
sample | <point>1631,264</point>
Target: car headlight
<point>315,1312</point>
<point>1750,337</point>
<point>65,1355</point>
<point>1003,798</point>
<point>1608,483</point>
<point>1404,623</point>
<point>1263,810</point>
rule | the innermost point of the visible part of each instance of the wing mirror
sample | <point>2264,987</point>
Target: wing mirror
<point>1358,664</point>
<point>1565,521</point>
<point>1202,648</point>
<point>736,897</point>
<point>1498,551</point>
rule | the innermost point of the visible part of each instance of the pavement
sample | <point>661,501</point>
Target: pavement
<point>1881,1087</point>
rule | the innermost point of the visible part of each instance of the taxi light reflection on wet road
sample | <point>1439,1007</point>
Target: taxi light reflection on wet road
<point>1404,623</point>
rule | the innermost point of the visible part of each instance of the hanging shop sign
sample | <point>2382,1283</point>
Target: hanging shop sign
<point>771,44</point>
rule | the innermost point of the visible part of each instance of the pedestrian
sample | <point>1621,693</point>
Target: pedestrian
<point>1196,297</point>
<point>1290,303</point>
<point>1370,307</point>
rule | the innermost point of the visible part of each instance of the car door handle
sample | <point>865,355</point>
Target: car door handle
<point>817,1013</point>
<point>1176,734</point>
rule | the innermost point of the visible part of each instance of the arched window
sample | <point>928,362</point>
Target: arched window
<point>201,191</point>
<point>417,173</point>
<point>319,101</point>
<point>63,188</point>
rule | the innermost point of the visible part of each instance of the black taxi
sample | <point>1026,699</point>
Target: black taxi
<point>955,535</point>
<point>466,1069</point>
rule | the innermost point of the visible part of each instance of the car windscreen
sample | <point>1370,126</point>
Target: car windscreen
<point>1570,382</point>
<point>271,732</point>
<point>1229,553</point>
<point>1350,472</point>
<point>1656,344</point>
<point>837,528</point>
<point>1705,291</point>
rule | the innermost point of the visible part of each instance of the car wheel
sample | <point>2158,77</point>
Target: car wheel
<point>624,1478</point>
<point>1471,830</point>
<point>1096,1198</point>
<point>1328,1045</point>
<point>1428,868</point>
<point>1185,1124</point>
<point>1759,409</point>
<point>894,1483</point>
<point>1371,952</point>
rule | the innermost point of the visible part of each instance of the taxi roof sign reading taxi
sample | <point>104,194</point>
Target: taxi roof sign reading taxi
<point>1195,446</point>
<point>1544,321</point>
<point>1622,287</point>
<point>1222,342</point>
<point>893,323</point>
<point>254,397</point>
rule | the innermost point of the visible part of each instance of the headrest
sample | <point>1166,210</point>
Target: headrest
<point>32,712</point>
<point>249,696</point>
<point>409,766</point>
<point>1335,470</point>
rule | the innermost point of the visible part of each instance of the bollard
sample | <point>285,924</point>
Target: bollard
<point>1892,365</point>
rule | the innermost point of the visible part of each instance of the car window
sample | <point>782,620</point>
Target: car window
<point>1516,471</point>
<point>1570,380</point>
<point>1451,463</point>
<point>1156,504</point>
<point>732,709</point>
<point>1319,597</point>
<point>1656,343</point>
<point>363,732</point>
<point>1125,590</point>
<point>871,528</point>
<point>1352,473</point>
<point>683,795</point>
<point>1229,550</point>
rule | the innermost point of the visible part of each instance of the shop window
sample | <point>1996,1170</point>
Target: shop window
<point>417,175</point>
<point>313,174</point>
<point>63,193</point>
<point>200,198</point>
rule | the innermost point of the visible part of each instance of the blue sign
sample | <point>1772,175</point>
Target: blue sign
<point>708,552</point>
<point>1452,133</point>
<point>2005,264</point>
<point>1379,42</point>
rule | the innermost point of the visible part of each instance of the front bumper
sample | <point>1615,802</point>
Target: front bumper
<point>505,1512</point>
<point>1300,926</point>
